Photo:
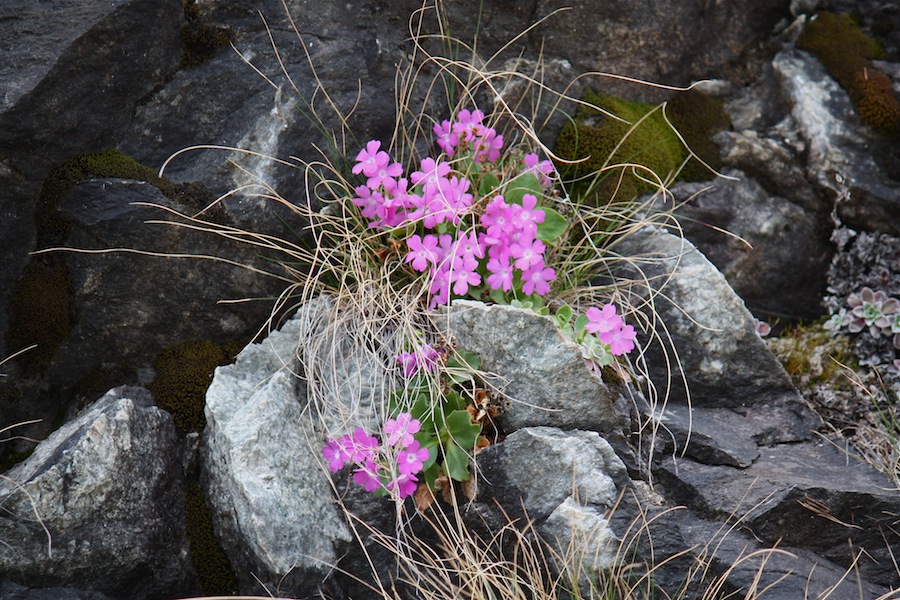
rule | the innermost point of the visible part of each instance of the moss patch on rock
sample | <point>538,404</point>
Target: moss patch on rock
<point>812,356</point>
<point>200,40</point>
<point>598,141</point>
<point>214,572</point>
<point>697,117</point>
<point>53,227</point>
<point>41,312</point>
<point>183,374</point>
<point>847,54</point>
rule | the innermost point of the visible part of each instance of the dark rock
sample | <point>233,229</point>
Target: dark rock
<point>808,496</point>
<point>725,362</point>
<point>13,591</point>
<point>73,75</point>
<point>100,504</point>
<point>709,435</point>
<point>124,307</point>
<point>775,254</point>
<point>729,559</point>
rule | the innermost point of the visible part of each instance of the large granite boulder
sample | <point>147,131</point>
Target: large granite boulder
<point>100,505</point>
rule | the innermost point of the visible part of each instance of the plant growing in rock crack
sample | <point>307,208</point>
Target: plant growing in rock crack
<point>400,231</point>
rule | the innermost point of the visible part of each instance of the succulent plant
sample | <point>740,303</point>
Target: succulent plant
<point>873,310</point>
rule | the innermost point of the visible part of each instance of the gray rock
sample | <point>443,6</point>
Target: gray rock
<point>100,504</point>
<point>271,502</point>
<point>775,254</point>
<point>585,467</point>
<point>725,362</point>
<point>841,152</point>
<point>530,353</point>
<point>809,496</point>
<point>565,481</point>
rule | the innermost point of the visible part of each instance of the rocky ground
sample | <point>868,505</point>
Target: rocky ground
<point>136,503</point>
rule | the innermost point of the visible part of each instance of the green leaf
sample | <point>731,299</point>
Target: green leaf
<point>489,183</point>
<point>454,402</point>
<point>456,463</point>
<point>432,443</point>
<point>553,227</point>
<point>580,323</point>
<point>526,183</point>
<point>462,430</point>
<point>563,316</point>
<point>431,475</point>
<point>469,359</point>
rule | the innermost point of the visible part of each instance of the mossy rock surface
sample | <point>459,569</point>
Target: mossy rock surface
<point>697,117</point>
<point>839,44</point>
<point>214,572</point>
<point>52,227</point>
<point>200,39</point>
<point>642,137</point>
<point>41,312</point>
<point>847,53</point>
<point>183,374</point>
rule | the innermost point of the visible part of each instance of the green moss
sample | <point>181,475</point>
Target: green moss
<point>697,117</point>
<point>213,569</point>
<point>199,39</point>
<point>593,137</point>
<point>812,356</point>
<point>183,374</point>
<point>41,312</point>
<point>847,53</point>
<point>52,227</point>
<point>840,46</point>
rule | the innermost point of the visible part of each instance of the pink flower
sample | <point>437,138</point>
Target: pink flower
<point>446,138</point>
<point>528,255</point>
<point>534,281</point>
<point>488,146</point>
<point>462,278</point>
<point>401,430</point>
<point>603,321</point>
<point>430,173</point>
<point>369,159</point>
<point>367,476</point>
<point>405,485</point>
<point>468,247</point>
<point>408,362</point>
<point>620,341</point>
<point>501,274</point>
<point>411,460</point>
<point>385,175</point>
<point>361,446</point>
<point>422,251</point>
<point>336,455</point>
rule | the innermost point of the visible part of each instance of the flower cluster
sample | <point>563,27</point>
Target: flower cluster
<point>390,466</point>
<point>611,329</point>
<point>425,357</point>
<point>468,245</point>
<point>869,311</point>
<point>600,332</point>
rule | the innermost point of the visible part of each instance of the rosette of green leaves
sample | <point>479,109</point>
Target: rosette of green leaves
<point>447,430</point>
